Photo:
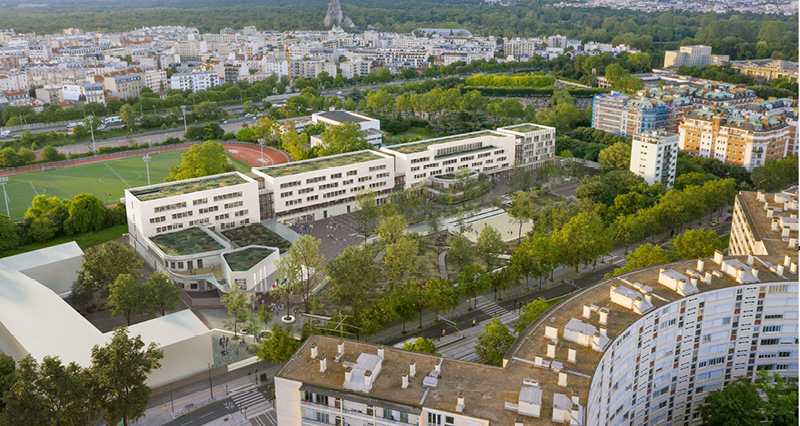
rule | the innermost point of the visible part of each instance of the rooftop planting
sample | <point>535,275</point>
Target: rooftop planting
<point>421,146</point>
<point>245,259</point>
<point>185,242</point>
<point>256,235</point>
<point>318,164</point>
<point>188,187</point>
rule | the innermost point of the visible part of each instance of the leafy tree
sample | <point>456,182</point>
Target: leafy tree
<point>721,192</point>
<point>119,371</point>
<point>201,160</point>
<point>235,301</point>
<point>126,297</point>
<point>293,143</point>
<point>693,244</point>
<point>422,345</point>
<point>346,137</point>
<point>7,376</point>
<point>25,155</point>
<point>616,157</point>
<point>305,254</point>
<point>279,347</point>
<point>8,235</point>
<point>490,245</point>
<point>352,275</point>
<point>47,394</point>
<point>630,228</point>
<point>404,301</point>
<point>49,154</point>
<point>441,296</point>
<point>775,175</point>
<point>460,252</point>
<point>780,406</point>
<point>523,208</point>
<point>582,240</point>
<point>525,260</point>
<point>162,294</point>
<point>8,157</point>
<point>391,228</point>
<point>530,312</point>
<point>493,342</point>
<point>400,259</point>
<point>102,265</point>
<point>737,404</point>
<point>644,256</point>
<point>521,179</point>
<point>472,282</point>
<point>367,212</point>
<point>127,115</point>
<point>384,76</point>
<point>607,186</point>
<point>86,213</point>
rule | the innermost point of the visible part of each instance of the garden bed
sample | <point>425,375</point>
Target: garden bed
<point>256,235</point>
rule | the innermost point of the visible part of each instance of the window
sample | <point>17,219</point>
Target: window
<point>773,316</point>
<point>434,419</point>
<point>772,328</point>
<point>778,288</point>
<point>769,341</point>
<point>449,421</point>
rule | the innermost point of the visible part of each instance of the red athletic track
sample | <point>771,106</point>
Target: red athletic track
<point>240,151</point>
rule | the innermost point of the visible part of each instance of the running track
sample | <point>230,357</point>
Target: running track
<point>245,152</point>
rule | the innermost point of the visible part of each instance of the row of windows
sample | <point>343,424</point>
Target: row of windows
<point>199,201</point>
<point>241,213</point>
<point>420,160</point>
<point>175,206</point>
<point>158,219</point>
<point>227,196</point>
<point>182,214</point>
<point>208,210</point>
<point>316,179</point>
<point>169,227</point>
<point>198,221</point>
<point>375,168</point>
<point>290,184</point>
<point>328,186</point>
<point>232,205</point>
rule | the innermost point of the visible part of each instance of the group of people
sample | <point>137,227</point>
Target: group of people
<point>302,228</point>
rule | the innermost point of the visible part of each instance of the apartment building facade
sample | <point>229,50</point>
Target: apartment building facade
<point>697,56</point>
<point>535,144</point>
<point>747,141</point>
<point>654,156</point>
<point>155,80</point>
<point>765,224</point>
<point>643,348</point>
<point>194,81</point>
<point>123,86</point>
<point>621,115</point>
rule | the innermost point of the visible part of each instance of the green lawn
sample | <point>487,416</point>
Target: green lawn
<point>105,179</point>
<point>240,165</point>
<point>89,239</point>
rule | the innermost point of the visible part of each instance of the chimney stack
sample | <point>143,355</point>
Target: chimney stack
<point>348,373</point>
<point>648,297</point>
<point>571,355</point>
<point>341,346</point>
<point>576,397</point>
<point>314,350</point>
<point>787,260</point>
<point>368,379</point>
<point>381,353</point>
<point>603,331</point>
<point>793,267</point>
<point>460,405</point>
<point>412,368</point>
<point>708,277</point>
<point>603,316</point>
<point>405,379</point>
<point>700,265</point>
<point>323,364</point>
<point>587,311</point>
<point>562,379</point>
<point>750,259</point>
<point>780,269</point>
<point>551,350</point>
<point>518,422</point>
<point>774,225</point>
<point>438,366</point>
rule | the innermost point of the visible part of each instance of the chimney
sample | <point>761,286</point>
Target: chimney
<point>348,373</point>
<point>603,316</point>
<point>718,257</point>
<point>460,405</point>
<point>760,196</point>
<point>341,346</point>
<point>780,270</point>
<point>412,368</point>
<point>700,265</point>
<point>596,341</point>
<point>750,259</point>
<point>368,379</point>
<point>518,422</point>
<point>708,277</point>
<point>551,350</point>
<point>787,260</point>
<point>793,268</point>
<point>693,281</point>
<point>648,297</point>
<point>739,273</point>
<point>774,225</point>
<point>770,213</point>
<point>314,350</point>
<point>603,331</point>
<point>381,353</point>
<point>562,379</point>
<point>571,355</point>
<point>576,397</point>
<point>587,311</point>
<point>405,379</point>
<point>537,360</point>
<point>438,365</point>
<point>575,413</point>
<point>323,364</point>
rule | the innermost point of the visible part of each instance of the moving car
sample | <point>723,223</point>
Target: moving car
<point>714,223</point>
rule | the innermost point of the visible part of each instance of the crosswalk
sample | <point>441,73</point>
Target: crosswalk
<point>247,396</point>
<point>490,307</point>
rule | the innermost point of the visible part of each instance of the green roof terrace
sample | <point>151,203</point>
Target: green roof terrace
<point>187,187</point>
<point>421,146</point>
<point>188,241</point>
<point>289,169</point>
<point>243,260</point>
<point>524,128</point>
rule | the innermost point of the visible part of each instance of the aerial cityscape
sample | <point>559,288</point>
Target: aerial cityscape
<point>371,213</point>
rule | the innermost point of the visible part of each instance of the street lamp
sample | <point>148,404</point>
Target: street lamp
<point>91,128</point>
<point>261,144</point>
<point>146,160</point>
<point>4,181</point>
<point>183,108</point>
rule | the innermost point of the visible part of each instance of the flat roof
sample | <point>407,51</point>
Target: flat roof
<point>420,146</point>
<point>761,225</point>
<point>186,241</point>
<point>189,186</point>
<point>487,388</point>
<point>288,169</point>
<point>243,260</point>
<point>342,117</point>
<point>524,128</point>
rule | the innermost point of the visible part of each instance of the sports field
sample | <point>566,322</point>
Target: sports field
<point>105,179</point>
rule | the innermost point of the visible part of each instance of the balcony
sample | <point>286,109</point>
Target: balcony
<point>347,413</point>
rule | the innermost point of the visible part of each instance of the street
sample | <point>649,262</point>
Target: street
<point>241,400</point>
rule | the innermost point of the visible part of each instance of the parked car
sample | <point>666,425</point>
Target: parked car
<point>714,223</point>
<point>5,133</point>
<point>729,218</point>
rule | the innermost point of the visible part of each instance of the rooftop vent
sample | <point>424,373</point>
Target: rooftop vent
<point>314,350</point>
<point>460,405</point>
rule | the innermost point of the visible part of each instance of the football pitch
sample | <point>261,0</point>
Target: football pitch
<point>105,179</point>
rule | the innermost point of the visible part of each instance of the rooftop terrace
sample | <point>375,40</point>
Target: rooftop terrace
<point>420,146</point>
<point>187,187</point>
<point>243,260</point>
<point>289,169</point>
<point>187,241</point>
<point>487,389</point>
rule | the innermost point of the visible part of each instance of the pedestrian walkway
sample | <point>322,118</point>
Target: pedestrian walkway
<point>442,265</point>
<point>489,307</point>
<point>268,418</point>
<point>247,396</point>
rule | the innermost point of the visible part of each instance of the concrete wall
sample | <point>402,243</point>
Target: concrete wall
<point>287,402</point>
<point>183,359</point>
<point>57,276</point>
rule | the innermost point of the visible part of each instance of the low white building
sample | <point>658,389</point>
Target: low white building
<point>654,156</point>
<point>698,56</point>
<point>194,81</point>
<point>370,126</point>
<point>535,144</point>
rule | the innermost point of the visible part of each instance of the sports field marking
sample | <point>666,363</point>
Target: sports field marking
<point>122,180</point>
<point>34,188</point>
